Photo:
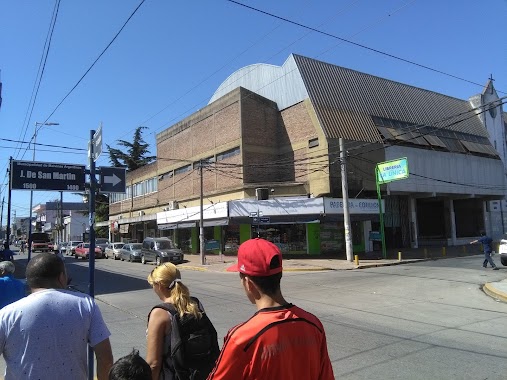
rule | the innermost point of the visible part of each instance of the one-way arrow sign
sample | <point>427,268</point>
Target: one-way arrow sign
<point>112,180</point>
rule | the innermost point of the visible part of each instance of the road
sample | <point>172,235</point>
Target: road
<point>427,320</point>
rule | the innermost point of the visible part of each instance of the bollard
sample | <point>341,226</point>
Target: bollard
<point>399,256</point>
<point>443,251</point>
<point>356,259</point>
<point>425,253</point>
<point>465,249</point>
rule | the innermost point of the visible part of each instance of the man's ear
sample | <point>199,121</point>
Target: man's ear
<point>62,278</point>
<point>251,287</point>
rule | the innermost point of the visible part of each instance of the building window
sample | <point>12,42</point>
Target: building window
<point>313,143</point>
<point>228,153</point>
<point>183,169</point>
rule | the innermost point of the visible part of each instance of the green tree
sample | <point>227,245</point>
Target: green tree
<point>135,155</point>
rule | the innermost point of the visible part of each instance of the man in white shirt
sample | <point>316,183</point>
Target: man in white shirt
<point>46,334</point>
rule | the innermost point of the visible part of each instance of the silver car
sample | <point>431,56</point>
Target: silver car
<point>113,250</point>
<point>131,252</point>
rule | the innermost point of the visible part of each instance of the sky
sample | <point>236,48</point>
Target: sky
<point>171,56</point>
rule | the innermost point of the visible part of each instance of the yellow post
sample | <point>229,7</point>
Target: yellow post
<point>464,249</point>
<point>399,256</point>
<point>356,259</point>
<point>425,253</point>
<point>443,251</point>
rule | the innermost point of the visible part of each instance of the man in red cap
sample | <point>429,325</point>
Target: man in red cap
<point>280,341</point>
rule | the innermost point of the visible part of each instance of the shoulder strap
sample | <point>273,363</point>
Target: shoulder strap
<point>166,306</point>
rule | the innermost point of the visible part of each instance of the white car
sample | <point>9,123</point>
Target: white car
<point>502,250</point>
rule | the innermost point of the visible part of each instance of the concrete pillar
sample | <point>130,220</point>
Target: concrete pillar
<point>485,213</point>
<point>452,218</point>
<point>414,232</point>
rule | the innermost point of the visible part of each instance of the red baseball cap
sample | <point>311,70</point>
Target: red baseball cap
<point>255,258</point>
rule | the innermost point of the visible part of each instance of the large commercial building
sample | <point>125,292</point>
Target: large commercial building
<point>267,146</point>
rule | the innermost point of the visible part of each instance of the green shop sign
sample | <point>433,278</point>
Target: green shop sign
<point>389,171</point>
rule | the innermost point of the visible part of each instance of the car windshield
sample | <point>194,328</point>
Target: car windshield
<point>118,245</point>
<point>165,244</point>
<point>86,245</point>
<point>137,246</point>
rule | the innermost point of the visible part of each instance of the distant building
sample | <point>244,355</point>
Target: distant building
<point>267,145</point>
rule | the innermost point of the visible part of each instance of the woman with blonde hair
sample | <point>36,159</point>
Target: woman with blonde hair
<point>177,306</point>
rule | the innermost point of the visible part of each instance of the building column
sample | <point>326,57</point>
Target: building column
<point>485,213</point>
<point>452,218</point>
<point>414,232</point>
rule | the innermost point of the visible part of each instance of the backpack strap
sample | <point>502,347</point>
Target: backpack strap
<point>166,306</point>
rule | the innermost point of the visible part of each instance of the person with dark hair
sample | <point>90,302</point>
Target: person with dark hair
<point>46,334</point>
<point>8,255</point>
<point>130,367</point>
<point>11,289</point>
<point>281,340</point>
<point>487,248</point>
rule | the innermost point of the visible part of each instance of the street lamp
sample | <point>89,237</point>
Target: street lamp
<point>39,125</point>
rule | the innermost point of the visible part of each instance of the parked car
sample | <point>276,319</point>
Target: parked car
<point>71,247</point>
<point>101,243</point>
<point>83,250</point>
<point>131,252</point>
<point>113,250</point>
<point>160,250</point>
<point>502,250</point>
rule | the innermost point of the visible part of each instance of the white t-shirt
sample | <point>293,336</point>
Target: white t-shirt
<point>46,335</point>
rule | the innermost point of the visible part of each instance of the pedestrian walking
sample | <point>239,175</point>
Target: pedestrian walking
<point>281,340</point>
<point>11,289</point>
<point>46,334</point>
<point>486,242</point>
<point>7,253</point>
<point>170,326</point>
<point>130,367</point>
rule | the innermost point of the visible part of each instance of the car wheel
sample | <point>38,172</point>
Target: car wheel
<point>143,260</point>
<point>503,260</point>
<point>157,261</point>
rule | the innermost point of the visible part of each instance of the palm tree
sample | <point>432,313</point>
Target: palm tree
<point>134,156</point>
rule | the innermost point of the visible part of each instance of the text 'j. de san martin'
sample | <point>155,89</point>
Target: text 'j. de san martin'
<point>43,175</point>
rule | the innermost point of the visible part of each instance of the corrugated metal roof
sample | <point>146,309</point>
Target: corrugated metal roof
<point>345,99</point>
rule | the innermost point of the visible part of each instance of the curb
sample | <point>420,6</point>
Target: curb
<point>491,291</point>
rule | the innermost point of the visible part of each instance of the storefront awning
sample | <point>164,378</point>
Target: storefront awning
<point>216,222</point>
<point>173,226</point>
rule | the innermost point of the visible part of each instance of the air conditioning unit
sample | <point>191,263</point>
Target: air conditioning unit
<point>172,205</point>
<point>262,193</point>
<point>140,213</point>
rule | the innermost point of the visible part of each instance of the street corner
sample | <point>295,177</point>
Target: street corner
<point>497,290</point>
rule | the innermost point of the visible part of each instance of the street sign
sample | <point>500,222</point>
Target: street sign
<point>261,220</point>
<point>97,143</point>
<point>112,180</point>
<point>30,175</point>
<point>394,170</point>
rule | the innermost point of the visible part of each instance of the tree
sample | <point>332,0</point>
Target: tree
<point>134,156</point>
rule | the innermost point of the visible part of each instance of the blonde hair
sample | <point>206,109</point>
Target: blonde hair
<point>169,276</point>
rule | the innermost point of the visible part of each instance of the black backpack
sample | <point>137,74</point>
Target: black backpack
<point>194,345</point>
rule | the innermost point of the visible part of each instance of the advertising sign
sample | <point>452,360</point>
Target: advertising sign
<point>394,170</point>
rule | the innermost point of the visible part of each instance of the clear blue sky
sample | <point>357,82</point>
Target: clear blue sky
<point>172,55</point>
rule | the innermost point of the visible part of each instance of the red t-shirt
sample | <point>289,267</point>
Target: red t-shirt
<point>283,343</point>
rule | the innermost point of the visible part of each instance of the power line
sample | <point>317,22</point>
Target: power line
<point>353,43</point>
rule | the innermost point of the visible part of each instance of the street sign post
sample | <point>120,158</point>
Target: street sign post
<point>386,172</point>
<point>97,143</point>
<point>112,180</point>
<point>30,175</point>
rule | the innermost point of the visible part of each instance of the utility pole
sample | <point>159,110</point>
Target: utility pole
<point>60,230</point>
<point>8,233</point>
<point>345,196</point>
<point>2,216</point>
<point>201,219</point>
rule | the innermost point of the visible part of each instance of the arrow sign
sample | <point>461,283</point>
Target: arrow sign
<point>112,180</point>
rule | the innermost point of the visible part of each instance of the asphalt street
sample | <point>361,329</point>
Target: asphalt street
<point>421,320</point>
